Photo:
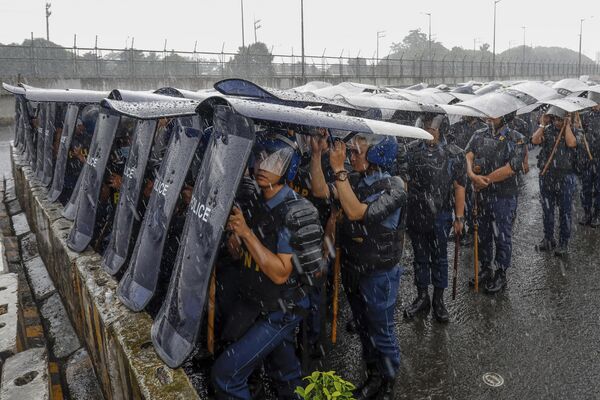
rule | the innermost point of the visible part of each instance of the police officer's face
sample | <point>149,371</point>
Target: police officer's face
<point>358,154</point>
<point>557,122</point>
<point>495,122</point>
<point>266,179</point>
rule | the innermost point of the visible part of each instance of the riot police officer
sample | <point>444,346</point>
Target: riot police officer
<point>278,245</point>
<point>461,132</point>
<point>494,156</point>
<point>557,175</point>
<point>590,174</point>
<point>369,236</point>
<point>433,170</point>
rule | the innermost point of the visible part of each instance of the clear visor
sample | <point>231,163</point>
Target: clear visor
<point>275,163</point>
<point>303,142</point>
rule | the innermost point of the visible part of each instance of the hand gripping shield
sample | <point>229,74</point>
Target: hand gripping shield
<point>179,320</point>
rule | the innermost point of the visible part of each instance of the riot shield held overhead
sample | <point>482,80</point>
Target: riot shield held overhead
<point>133,177</point>
<point>91,181</point>
<point>176,327</point>
<point>49,131</point>
<point>140,279</point>
<point>39,152</point>
<point>63,152</point>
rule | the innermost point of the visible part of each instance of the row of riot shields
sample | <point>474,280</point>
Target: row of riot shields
<point>149,178</point>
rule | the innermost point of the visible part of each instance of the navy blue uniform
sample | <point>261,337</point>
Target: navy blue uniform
<point>590,172</point>
<point>498,202</point>
<point>558,185</point>
<point>266,315</point>
<point>371,270</point>
<point>430,171</point>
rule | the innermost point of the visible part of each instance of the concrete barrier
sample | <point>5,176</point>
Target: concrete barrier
<point>25,376</point>
<point>9,314</point>
<point>117,340</point>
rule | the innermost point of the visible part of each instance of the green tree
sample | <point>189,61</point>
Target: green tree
<point>253,61</point>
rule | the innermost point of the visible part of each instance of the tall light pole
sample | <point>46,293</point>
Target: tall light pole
<point>302,33</point>
<point>257,26</point>
<point>243,38</point>
<point>48,14</point>
<point>524,29</point>
<point>380,34</point>
<point>494,42</point>
<point>429,42</point>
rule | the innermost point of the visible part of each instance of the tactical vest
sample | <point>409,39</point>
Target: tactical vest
<point>591,124</point>
<point>431,184</point>
<point>493,153</point>
<point>301,219</point>
<point>563,161</point>
<point>368,247</point>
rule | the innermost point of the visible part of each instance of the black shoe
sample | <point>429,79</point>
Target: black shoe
<point>386,391</point>
<point>546,245</point>
<point>486,274</point>
<point>498,283</point>
<point>562,250</point>
<point>370,387</point>
<point>595,222</point>
<point>439,309</point>
<point>421,305</point>
<point>586,219</point>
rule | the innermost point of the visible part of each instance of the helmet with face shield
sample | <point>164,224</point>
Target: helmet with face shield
<point>277,153</point>
<point>436,121</point>
<point>382,150</point>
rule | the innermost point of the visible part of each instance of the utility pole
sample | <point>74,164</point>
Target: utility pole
<point>302,32</point>
<point>524,29</point>
<point>256,27</point>
<point>429,15</point>
<point>48,14</point>
<point>580,39</point>
<point>494,42</point>
<point>243,38</point>
<point>380,34</point>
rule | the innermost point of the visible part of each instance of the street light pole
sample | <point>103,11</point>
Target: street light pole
<point>580,39</point>
<point>380,34</point>
<point>524,29</point>
<point>302,32</point>
<point>243,38</point>
<point>48,14</point>
<point>494,42</point>
<point>429,15</point>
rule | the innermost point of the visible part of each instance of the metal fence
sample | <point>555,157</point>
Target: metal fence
<point>81,63</point>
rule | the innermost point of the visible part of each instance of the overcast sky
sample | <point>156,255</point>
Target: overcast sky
<point>335,25</point>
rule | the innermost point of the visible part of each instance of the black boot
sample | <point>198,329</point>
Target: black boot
<point>439,309</point>
<point>586,219</point>
<point>386,391</point>
<point>595,222</point>
<point>498,283</point>
<point>562,250</point>
<point>371,385</point>
<point>422,304</point>
<point>546,245</point>
<point>486,274</point>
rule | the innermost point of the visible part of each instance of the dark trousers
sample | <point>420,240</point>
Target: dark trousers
<point>431,253</point>
<point>557,191</point>
<point>372,298</point>
<point>269,340</point>
<point>495,217</point>
<point>590,188</point>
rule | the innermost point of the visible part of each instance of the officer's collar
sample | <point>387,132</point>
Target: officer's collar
<point>279,197</point>
<point>374,177</point>
<point>503,132</point>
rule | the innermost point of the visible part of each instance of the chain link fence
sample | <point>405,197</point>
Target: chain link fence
<point>82,63</point>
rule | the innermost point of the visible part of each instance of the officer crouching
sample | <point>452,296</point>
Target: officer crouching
<point>278,243</point>
<point>369,235</point>
<point>434,171</point>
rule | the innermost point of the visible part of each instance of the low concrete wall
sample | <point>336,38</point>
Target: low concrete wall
<point>117,339</point>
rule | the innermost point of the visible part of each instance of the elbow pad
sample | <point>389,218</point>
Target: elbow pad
<point>392,199</point>
<point>302,220</point>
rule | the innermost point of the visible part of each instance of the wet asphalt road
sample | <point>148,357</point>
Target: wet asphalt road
<point>541,334</point>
